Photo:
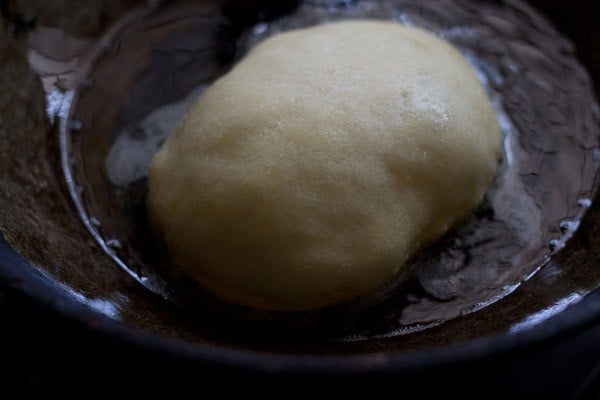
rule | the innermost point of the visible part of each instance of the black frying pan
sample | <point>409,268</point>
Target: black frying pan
<point>555,358</point>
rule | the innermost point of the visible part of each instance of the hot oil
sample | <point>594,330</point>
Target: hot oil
<point>541,94</point>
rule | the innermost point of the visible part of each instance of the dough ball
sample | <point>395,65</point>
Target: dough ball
<point>311,172</point>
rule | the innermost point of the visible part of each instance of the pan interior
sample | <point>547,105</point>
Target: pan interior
<point>109,100</point>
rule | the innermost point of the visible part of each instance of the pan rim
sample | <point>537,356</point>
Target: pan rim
<point>21,276</point>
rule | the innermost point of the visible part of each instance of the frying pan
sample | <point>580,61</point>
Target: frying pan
<point>49,262</point>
